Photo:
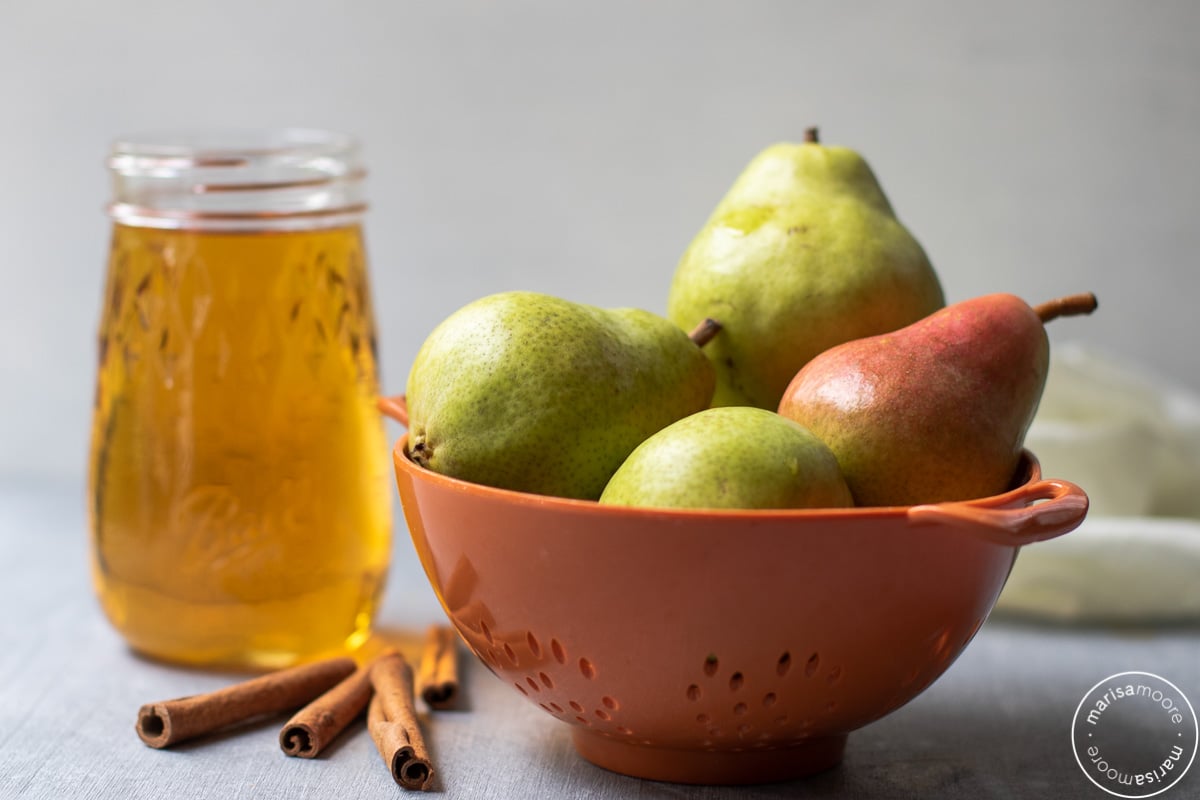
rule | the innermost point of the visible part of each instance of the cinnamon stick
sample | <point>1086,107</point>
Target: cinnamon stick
<point>317,724</point>
<point>169,722</point>
<point>437,676</point>
<point>392,721</point>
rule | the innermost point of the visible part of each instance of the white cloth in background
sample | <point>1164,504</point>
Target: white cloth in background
<point>1132,442</point>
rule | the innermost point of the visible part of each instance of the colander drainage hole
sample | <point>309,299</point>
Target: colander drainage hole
<point>942,644</point>
<point>549,684</point>
<point>735,681</point>
<point>814,663</point>
<point>610,703</point>
<point>511,655</point>
<point>535,646</point>
<point>693,692</point>
<point>557,708</point>
<point>784,664</point>
<point>711,665</point>
<point>835,675</point>
<point>556,648</point>
<point>533,684</point>
<point>769,699</point>
<point>604,715</point>
<point>703,719</point>
<point>586,669</point>
<point>621,729</point>
<point>576,707</point>
<point>487,632</point>
<point>740,709</point>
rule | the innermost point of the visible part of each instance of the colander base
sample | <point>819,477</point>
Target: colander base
<point>710,766</point>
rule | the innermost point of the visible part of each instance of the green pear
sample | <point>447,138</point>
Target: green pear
<point>736,457</point>
<point>804,252</point>
<point>525,391</point>
<point>938,410</point>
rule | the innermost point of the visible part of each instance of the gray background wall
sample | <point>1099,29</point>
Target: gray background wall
<point>1033,147</point>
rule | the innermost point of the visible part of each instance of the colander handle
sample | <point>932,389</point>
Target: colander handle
<point>395,407</point>
<point>1037,511</point>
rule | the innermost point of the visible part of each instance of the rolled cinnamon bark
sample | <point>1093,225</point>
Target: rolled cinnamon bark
<point>169,722</point>
<point>392,721</point>
<point>317,724</point>
<point>437,677</point>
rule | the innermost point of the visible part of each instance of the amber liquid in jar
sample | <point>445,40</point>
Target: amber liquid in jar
<point>239,478</point>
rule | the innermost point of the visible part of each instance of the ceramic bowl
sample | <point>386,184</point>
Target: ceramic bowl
<point>719,646</point>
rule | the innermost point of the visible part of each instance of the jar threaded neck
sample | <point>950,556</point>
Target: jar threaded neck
<point>286,179</point>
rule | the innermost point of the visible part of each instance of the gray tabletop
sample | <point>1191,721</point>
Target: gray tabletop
<point>997,724</point>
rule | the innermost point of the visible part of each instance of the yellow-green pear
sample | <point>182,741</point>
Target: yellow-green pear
<point>736,457</point>
<point>525,391</point>
<point>804,252</point>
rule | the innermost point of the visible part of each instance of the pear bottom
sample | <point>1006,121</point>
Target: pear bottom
<point>710,767</point>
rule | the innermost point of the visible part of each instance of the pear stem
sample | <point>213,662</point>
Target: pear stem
<point>810,135</point>
<point>1069,306</point>
<point>703,333</point>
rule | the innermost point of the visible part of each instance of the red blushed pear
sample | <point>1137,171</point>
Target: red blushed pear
<point>935,411</point>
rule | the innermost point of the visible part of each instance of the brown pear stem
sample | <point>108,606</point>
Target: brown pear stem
<point>703,333</point>
<point>1069,306</point>
<point>810,135</point>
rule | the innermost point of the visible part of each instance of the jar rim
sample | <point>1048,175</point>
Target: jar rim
<point>237,178</point>
<point>230,145</point>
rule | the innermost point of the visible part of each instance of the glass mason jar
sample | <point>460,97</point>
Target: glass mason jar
<point>239,483</point>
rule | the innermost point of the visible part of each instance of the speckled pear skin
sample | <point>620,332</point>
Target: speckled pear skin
<point>803,253</point>
<point>735,457</point>
<point>936,411</point>
<point>530,392</point>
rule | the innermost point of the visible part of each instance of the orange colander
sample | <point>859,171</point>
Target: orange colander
<point>719,646</point>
